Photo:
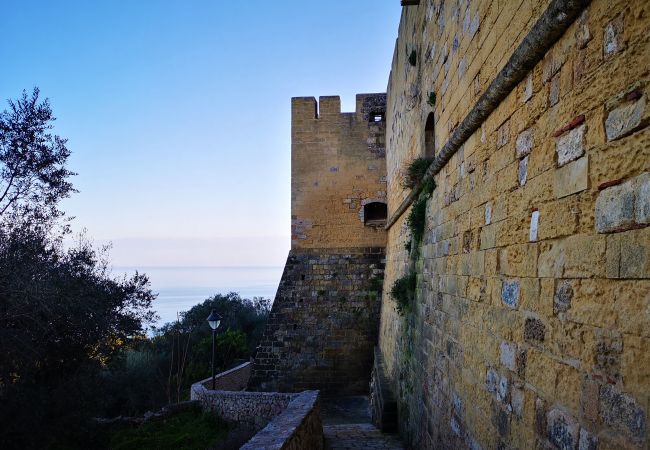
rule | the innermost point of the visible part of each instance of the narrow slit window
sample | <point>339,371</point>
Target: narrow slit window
<point>377,117</point>
<point>430,137</point>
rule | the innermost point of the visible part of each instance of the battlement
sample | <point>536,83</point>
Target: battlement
<point>338,172</point>
<point>369,107</point>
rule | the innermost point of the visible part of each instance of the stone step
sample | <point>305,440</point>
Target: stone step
<point>359,436</point>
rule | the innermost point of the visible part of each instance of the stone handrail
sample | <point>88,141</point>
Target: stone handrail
<point>298,427</point>
<point>234,379</point>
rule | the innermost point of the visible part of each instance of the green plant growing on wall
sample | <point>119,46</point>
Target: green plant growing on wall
<point>431,100</point>
<point>417,218</point>
<point>403,291</point>
<point>413,58</point>
<point>428,186</point>
<point>415,171</point>
<point>407,245</point>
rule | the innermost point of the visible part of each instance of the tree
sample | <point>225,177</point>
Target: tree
<point>33,176</point>
<point>63,317</point>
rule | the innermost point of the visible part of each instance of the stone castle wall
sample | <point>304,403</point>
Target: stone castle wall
<point>324,323</point>
<point>530,327</point>
<point>324,320</point>
<point>338,165</point>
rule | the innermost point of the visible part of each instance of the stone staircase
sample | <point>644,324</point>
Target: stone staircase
<point>346,425</point>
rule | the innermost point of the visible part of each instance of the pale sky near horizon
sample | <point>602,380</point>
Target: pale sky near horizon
<point>178,113</point>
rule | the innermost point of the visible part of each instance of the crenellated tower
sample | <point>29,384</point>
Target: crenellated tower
<point>325,317</point>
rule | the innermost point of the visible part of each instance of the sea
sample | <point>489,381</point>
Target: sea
<point>180,288</point>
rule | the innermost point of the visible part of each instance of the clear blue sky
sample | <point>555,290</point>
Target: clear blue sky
<point>178,113</point>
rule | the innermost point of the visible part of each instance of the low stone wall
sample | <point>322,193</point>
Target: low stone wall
<point>298,427</point>
<point>254,408</point>
<point>234,379</point>
<point>383,405</point>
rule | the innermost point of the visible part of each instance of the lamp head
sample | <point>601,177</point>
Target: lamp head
<point>214,320</point>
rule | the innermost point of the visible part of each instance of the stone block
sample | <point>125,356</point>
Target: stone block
<point>503,391</point>
<point>571,145</point>
<point>534,330</point>
<point>503,134</point>
<point>518,260</point>
<point>563,296</point>
<point>634,258</point>
<point>522,174</point>
<point>563,430</point>
<point>578,256</point>
<point>488,237</point>
<point>607,358</point>
<point>589,400</point>
<point>517,400</point>
<point>540,416</point>
<point>554,91</point>
<point>571,178</point>
<point>642,202</point>
<point>613,37</point>
<point>488,213</point>
<point>622,412</point>
<point>525,142</point>
<point>508,355</point>
<point>528,89</point>
<point>625,119</point>
<point>510,293</point>
<point>491,380</point>
<point>615,208</point>
<point>583,34</point>
<point>534,226</point>
<point>635,364</point>
<point>588,441</point>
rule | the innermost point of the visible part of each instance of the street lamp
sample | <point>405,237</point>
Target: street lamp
<point>214,320</point>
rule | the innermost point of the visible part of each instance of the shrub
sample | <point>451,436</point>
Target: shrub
<point>417,218</point>
<point>403,292</point>
<point>415,171</point>
<point>428,186</point>
<point>432,99</point>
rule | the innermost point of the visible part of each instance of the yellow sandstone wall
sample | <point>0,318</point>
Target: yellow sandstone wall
<point>524,339</point>
<point>337,166</point>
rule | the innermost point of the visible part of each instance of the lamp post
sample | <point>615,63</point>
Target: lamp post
<point>214,320</point>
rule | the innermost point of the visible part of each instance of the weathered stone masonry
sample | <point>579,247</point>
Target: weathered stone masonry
<point>530,328</point>
<point>324,321</point>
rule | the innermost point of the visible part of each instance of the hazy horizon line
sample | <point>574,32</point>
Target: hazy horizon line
<point>195,267</point>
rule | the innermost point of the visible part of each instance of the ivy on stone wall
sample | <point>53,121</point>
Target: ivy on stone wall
<point>403,291</point>
<point>415,171</point>
<point>431,100</point>
<point>404,288</point>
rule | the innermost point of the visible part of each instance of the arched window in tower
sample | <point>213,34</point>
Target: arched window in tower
<point>430,137</point>
<point>375,214</point>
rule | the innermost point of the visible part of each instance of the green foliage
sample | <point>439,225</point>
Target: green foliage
<point>186,430</point>
<point>413,58</point>
<point>231,346</point>
<point>375,284</point>
<point>417,219</point>
<point>428,186</point>
<point>415,172</point>
<point>403,291</point>
<point>431,100</point>
<point>33,176</point>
